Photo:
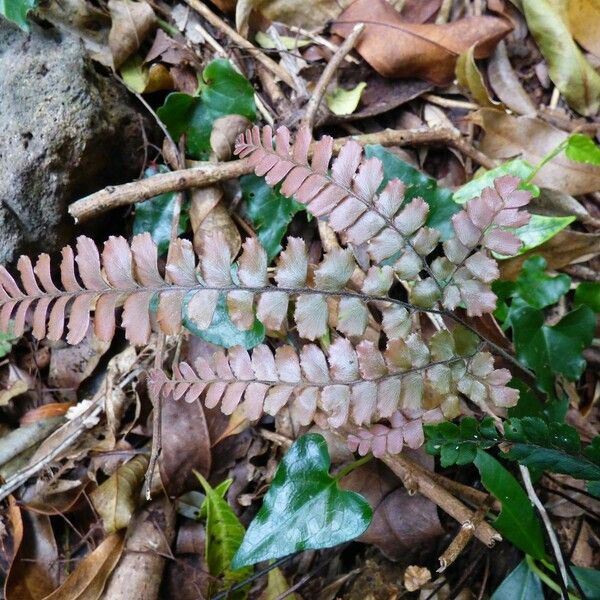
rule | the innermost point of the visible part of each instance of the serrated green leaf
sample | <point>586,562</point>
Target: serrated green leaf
<point>224,534</point>
<point>223,92</point>
<point>344,102</point>
<point>304,508</point>
<point>441,204</point>
<point>520,584</point>
<point>458,444</point>
<point>583,149</point>
<point>568,69</point>
<point>269,212</point>
<point>517,520</point>
<point>17,10</point>
<point>222,331</point>
<point>552,349</point>
<point>156,214</point>
<point>554,447</point>
<point>588,293</point>
<point>517,167</point>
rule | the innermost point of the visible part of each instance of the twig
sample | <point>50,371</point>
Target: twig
<point>416,479</point>
<point>464,536</point>
<point>560,561</point>
<point>217,22</point>
<point>449,102</point>
<point>315,100</point>
<point>207,174</point>
<point>319,39</point>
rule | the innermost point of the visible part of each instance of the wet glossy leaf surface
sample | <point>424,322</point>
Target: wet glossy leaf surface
<point>304,508</point>
<point>522,583</point>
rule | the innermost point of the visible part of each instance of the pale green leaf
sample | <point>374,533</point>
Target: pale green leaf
<point>16,11</point>
<point>345,102</point>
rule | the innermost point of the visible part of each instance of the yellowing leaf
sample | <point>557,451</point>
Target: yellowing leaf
<point>576,79</point>
<point>584,23</point>
<point>470,79</point>
<point>344,102</point>
<point>290,43</point>
<point>116,499</point>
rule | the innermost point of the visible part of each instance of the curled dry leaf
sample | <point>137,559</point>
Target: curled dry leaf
<point>506,84</point>
<point>507,136</point>
<point>225,131</point>
<point>88,579</point>
<point>397,48</point>
<point>568,68</point>
<point>470,79</point>
<point>416,577</point>
<point>131,23</point>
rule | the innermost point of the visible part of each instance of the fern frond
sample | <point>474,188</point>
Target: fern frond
<point>348,196</point>
<point>357,384</point>
<point>128,276</point>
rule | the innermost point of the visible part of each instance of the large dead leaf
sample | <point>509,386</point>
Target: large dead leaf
<point>530,138</point>
<point>87,580</point>
<point>116,499</point>
<point>186,445</point>
<point>563,249</point>
<point>397,48</point>
<point>401,522</point>
<point>584,23</point>
<point>131,23</point>
<point>33,573</point>
<point>569,70</point>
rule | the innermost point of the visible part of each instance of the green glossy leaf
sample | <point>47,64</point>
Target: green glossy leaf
<point>441,205</point>
<point>345,102</point>
<point>533,287</point>
<point>156,214</point>
<point>16,11</point>
<point>269,212</point>
<point>583,149</point>
<point>224,534</point>
<point>458,444</point>
<point>304,508</point>
<point>520,584</point>
<point>517,520</point>
<point>539,230</point>
<point>552,349</point>
<point>589,581</point>
<point>570,72</point>
<point>222,331</point>
<point>223,91</point>
<point>554,447</point>
<point>519,168</point>
<point>588,294</point>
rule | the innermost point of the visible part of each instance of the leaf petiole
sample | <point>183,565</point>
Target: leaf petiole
<point>352,466</point>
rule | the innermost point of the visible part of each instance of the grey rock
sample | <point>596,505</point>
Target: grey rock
<point>66,130</point>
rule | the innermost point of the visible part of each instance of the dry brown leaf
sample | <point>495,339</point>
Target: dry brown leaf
<point>397,48</point>
<point>584,23</point>
<point>131,23</point>
<point>186,445</point>
<point>506,84</point>
<point>87,580</point>
<point>563,249</point>
<point>33,573</point>
<point>117,498</point>
<point>470,79</point>
<point>530,138</point>
<point>225,131</point>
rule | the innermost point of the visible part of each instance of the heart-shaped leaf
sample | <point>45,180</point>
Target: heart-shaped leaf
<point>304,508</point>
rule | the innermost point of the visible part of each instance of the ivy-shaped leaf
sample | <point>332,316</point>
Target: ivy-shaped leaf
<point>458,444</point>
<point>223,91</point>
<point>269,212</point>
<point>583,149</point>
<point>222,330</point>
<point>588,293</point>
<point>521,583</point>
<point>550,350</point>
<point>224,534</point>
<point>439,199</point>
<point>17,10</point>
<point>533,287</point>
<point>155,215</point>
<point>517,520</point>
<point>304,508</point>
<point>554,447</point>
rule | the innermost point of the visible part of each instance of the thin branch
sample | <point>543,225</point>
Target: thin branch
<point>261,57</point>
<point>207,174</point>
<point>332,66</point>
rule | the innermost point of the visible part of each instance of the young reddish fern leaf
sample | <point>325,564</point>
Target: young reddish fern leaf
<point>347,196</point>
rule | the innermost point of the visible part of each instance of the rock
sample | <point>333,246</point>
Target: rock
<point>66,130</point>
